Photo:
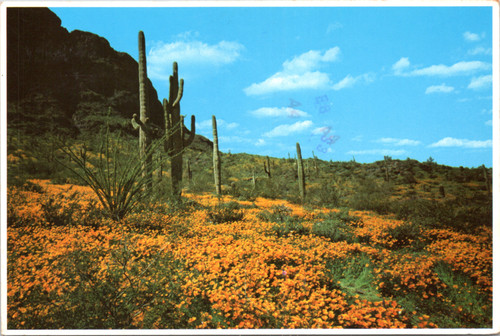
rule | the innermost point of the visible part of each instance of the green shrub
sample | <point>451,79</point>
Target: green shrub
<point>278,214</point>
<point>333,229</point>
<point>225,212</point>
<point>407,235</point>
<point>289,227</point>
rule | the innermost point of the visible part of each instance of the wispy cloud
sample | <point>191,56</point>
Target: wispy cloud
<point>333,27</point>
<point>464,143</point>
<point>399,142</point>
<point>479,51</point>
<point>260,142</point>
<point>279,112</point>
<point>287,129</point>
<point>443,88</point>
<point>321,130</point>
<point>401,68</point>
<point>350,81</point>
<point>162,55</point>
<point>395,152</point>
<point>471,37</point>
<point>221,123</point>
<point>301,72</point>
<point>482,82</point>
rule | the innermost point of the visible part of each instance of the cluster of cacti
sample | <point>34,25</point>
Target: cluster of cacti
<point>216,157</point>
<point>174,129</point>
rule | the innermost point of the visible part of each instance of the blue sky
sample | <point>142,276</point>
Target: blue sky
<point>344,82</point>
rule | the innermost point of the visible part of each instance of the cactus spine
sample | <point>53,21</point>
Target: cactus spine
<point>216,157</point>
<point>267,168</point>
<point>300,174</point>
<point>176,143</point>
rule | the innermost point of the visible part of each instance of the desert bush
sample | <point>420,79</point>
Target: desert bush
<point>278,214</point>
<point>289,227</point>
<point>371,195</point>
<point>225,212</point>
<point>334,229</point>
<point>406,235</point>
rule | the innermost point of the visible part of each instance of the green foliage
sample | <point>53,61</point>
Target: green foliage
<point>278,214</point>
<point>407,235</point>
<point>461,214</point>
<point>116,178</point>
<point>225,212</point>
<point>289,227</point>
<point>371,195</point>
<point>334,229</point>
<point>354,276</point>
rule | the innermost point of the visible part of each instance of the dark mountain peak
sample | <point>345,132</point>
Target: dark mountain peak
<point>67,81</point>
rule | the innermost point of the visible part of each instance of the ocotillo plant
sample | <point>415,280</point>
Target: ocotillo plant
<point>267,168</point>
<point>174,127</point>
<point>217,174</point>
<point>300,173</point>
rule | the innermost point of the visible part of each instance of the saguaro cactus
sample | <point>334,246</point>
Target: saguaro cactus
<point>216,157</point>
<point>144,135</point>
<point>174,128</point>
<point>176,142</point>
<point>267,167</point>
<point>300,173</point>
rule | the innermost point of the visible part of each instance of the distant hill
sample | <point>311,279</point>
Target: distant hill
<point>65,82</point>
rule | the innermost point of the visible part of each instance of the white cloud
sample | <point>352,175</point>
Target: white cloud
<point>321,130</point>
<point>260,142</point>
<point>350,81</point>
<point>310,60</point>
<point>401,65</point>
<point>284,82</point>
<point>279,112</point>
<point>439,88</point>
<point>399,142</point>
<point>464,143</point>
<point>298,73</point>
<point>286,129</point>
<point>162,55</point>
<point>460,68</point>
<point>479,51</point>
<point>378,152</point>
<point>480,82</point>
<point>221,123</point>
<point>471,37</point>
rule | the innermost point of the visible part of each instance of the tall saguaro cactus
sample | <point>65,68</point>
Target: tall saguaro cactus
<point>174,130</point>
<point>300,173</point>
<point>216,157</point>
<point>176,141</point>
<point>144,136</point>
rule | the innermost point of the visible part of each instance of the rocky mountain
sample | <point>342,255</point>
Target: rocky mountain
<point>65,82</point>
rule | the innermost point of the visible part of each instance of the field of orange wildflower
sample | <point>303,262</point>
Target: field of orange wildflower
<point>68,267</point>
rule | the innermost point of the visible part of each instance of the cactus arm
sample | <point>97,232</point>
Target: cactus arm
<point>191,133</point>
<point>179,93</point>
